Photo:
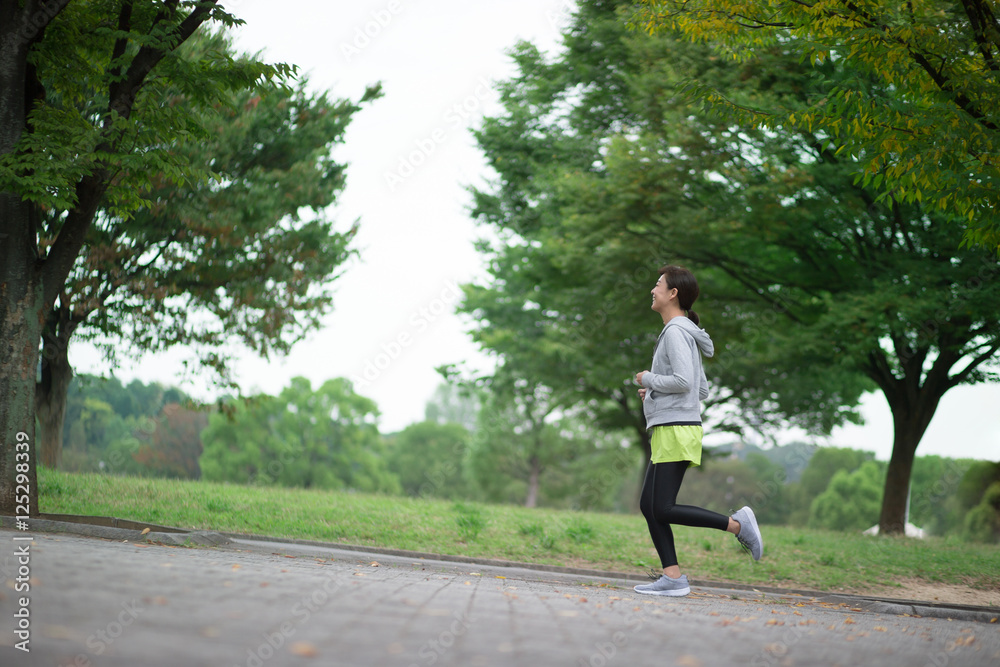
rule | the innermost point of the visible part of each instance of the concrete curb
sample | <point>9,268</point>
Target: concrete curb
<point>111,528</point>
<point>119,530</point>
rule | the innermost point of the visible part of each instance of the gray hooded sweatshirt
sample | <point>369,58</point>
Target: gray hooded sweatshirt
<point>676,383</point>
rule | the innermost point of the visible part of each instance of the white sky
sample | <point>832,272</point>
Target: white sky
<point>393,320</point>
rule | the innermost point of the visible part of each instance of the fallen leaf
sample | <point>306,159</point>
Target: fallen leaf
<point>501,577</point>
<point>849,621</point>
<point>144,531</point>
<point>303,649</point>
<point>879,628</point>
<point>688,661</point>
<point>374,563</point>
<point>237,566</point>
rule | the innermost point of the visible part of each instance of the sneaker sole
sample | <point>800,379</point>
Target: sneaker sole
<point>676,593</point>
<point>756,529</point>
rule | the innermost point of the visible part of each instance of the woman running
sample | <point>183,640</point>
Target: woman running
<point>671,395</point>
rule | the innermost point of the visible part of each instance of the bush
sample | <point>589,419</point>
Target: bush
<point>982,523</point>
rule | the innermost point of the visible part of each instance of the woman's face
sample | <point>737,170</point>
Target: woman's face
<point>662,294</point>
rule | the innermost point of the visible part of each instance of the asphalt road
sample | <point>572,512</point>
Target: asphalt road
<point>249,604</point>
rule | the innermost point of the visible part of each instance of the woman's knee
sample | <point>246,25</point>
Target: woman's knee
<point>646,506</point>
<point>664,512</point>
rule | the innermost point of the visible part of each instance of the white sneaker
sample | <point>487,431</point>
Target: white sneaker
<point>666,586</point>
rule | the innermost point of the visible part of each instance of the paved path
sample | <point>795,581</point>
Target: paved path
<point>251,604</point>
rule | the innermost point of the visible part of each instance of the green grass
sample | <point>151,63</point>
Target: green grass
<point>795,558</point>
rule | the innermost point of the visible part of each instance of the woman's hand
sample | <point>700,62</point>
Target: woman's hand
<point>642,394</point>
<point>638,377</point>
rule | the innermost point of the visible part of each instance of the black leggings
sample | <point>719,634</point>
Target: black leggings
<point>658,505</point>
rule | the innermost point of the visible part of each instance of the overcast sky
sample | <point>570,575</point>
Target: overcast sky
<point>411,158</point>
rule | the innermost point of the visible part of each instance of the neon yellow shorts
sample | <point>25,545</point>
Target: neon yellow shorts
<point>676,443</point>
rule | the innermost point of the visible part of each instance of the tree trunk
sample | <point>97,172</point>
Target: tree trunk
<point>912,412</point>
<point>21,293</point>
<point>50,394</point>
<point>534,474</point>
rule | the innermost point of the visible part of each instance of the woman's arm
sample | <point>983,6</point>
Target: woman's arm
<point>678,351</point>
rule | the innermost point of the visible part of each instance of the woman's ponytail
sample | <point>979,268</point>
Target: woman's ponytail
<point>687,288</point>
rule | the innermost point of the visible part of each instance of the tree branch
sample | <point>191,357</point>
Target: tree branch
<point>960,377</point>
<point>91,188</point>
<point>122,93</point>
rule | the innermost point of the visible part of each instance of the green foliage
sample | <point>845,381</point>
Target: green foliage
<point>520,453</point>
<point>979,477</point>
<point>89,123</point>
<point>452,403</point>
<point>982,523</point>
<point>138,429</point>
<point>934,486</point>
<point>602,177</point>
<point>324,439</point>
<point>824,464</point>
<point>851,501</point>
<point>251,249</point>
<point>428,458</point>
<point>912,89</point>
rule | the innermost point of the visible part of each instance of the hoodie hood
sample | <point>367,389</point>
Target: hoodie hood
<point>700,336</point>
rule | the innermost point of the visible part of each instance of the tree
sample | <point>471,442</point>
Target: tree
<point>323,439</point>
<point>569,279</point>
<point>428,458</point>
<point>516,449</point>
<point>209,261</point>
<point>173,447</point>
<point>915,89</point>
<point>824,464</point>
<point>820,290</point>
<point>83,122</point>
<point>934,483</point>
<point>452,403</point>
<point>851,501</point>
<point>982,523</point>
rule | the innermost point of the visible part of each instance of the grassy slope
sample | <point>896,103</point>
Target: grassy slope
<point>794,558</point>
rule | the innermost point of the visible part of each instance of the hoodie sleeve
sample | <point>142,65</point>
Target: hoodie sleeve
<point>679,353</point>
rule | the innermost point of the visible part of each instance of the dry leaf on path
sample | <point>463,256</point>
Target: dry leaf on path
<point>303,649</point>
